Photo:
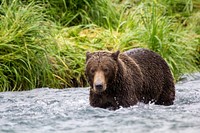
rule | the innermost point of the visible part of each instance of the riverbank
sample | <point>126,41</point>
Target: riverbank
<point>43,44</point>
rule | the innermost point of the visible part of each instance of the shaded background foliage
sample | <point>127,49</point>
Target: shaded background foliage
<point>75,12</point>
<point>43,42</point>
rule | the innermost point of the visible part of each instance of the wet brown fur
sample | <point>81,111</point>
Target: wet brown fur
<point>129,77</point>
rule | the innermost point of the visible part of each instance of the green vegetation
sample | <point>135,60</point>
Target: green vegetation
<point>43,43</point>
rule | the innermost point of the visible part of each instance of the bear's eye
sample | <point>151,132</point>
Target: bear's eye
<point>105,70</point>
<point>92,71</point>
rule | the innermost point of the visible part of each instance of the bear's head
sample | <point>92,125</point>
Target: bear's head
<point>101,69</point>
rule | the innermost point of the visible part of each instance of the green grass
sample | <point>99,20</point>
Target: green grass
<point>43,43</point>
<point>167,38</point>
<point>22,47</point>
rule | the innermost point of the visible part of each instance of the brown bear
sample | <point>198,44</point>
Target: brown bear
<point>124,79</point>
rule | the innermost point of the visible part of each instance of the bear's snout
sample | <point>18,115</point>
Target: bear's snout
<point>99,84</point>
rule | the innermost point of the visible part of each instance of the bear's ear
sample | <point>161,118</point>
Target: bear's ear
<point>115,55</point>
<point>88,55</point>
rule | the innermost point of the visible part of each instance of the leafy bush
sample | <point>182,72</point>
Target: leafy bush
<point>43,43</point>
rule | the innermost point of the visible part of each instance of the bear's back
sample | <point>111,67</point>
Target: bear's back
<point>145,57</point>
<point>155,70</point>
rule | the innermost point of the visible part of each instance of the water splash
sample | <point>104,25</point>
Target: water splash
<point>68,110</point>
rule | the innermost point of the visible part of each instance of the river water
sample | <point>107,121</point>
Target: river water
<point>68,111</point>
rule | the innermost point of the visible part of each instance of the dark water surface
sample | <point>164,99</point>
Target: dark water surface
<point>68,111</point>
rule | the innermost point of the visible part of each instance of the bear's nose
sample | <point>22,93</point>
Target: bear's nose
<point>99,86</point>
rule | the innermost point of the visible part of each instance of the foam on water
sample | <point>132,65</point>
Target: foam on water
<point>68,110</point>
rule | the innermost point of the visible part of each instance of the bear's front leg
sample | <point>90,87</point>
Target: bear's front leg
<point>102,101</point>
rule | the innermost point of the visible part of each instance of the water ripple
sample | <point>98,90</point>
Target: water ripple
<point>68,110</point>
